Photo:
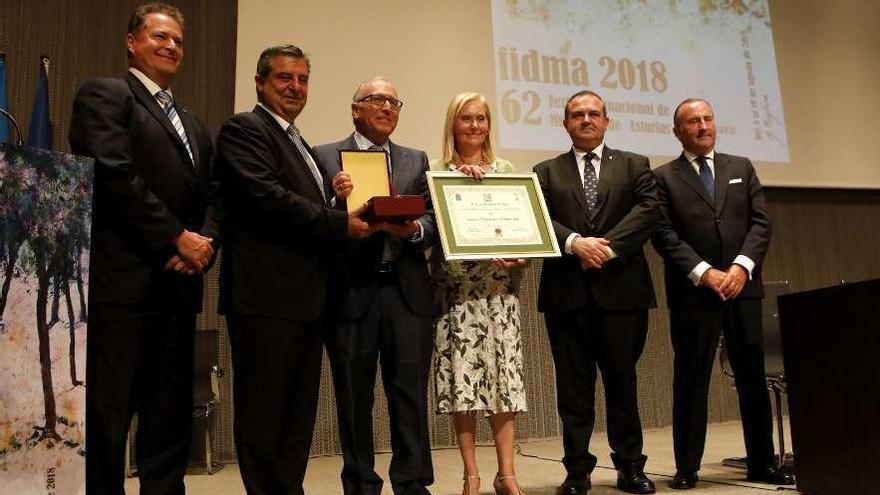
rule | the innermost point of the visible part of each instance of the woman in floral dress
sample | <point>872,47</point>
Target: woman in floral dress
<point>478,358</point>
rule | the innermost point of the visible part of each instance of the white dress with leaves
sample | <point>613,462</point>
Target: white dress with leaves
<point>478,348</point>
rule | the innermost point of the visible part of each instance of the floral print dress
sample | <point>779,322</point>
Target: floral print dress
<point>478,348</point>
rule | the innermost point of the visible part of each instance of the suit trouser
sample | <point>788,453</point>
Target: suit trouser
<point>138,361</point>
<point>276,376</point>
<point>580,341</point>
<point>402,340</point>
<point>695,332</point>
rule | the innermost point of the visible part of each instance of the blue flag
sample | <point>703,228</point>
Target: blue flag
<point>40,130</point>
<point>4,102</point>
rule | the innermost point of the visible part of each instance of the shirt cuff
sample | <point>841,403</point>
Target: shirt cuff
<point>611,253</point>
<point>418,236</point>
<point>697,273</point>
<point>745,262</point>
<point>569,241</point>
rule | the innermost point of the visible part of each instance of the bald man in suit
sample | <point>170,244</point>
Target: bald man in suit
<point>713,238</point>
<point>385,310</point>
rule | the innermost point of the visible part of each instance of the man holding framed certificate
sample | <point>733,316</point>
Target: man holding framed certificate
<point>595,299</point>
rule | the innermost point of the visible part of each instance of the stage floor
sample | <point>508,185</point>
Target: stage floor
<point>538,468</point>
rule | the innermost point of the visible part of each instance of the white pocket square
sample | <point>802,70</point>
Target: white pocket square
<point>735,181</point>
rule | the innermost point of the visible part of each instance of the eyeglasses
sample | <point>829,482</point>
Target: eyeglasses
<point>379,101</point>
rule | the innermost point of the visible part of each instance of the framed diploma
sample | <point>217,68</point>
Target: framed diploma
<point>500,216</point>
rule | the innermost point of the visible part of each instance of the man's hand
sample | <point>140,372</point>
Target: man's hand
<point>342,185</point>
<point>405,230</point>
<point>177,264</point>
<point>591,251</point>
<point>733,283</point>
<point>194,249</point>
<point>474,171</point>
<point>712,279</point>
<point>503,263</point>
<point>357,227</point>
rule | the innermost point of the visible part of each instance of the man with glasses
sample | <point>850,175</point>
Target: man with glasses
<point>385,310</point>
<point>276,271</point>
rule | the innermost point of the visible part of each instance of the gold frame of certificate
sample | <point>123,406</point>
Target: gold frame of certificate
<point>499,216</point>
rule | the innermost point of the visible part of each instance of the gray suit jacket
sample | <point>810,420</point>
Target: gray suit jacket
<point>695,228</point>
<point>359,259</point>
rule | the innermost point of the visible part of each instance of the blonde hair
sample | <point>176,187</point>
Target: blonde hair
<point>450,154</point>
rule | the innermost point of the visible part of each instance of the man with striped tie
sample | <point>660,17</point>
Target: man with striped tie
<point>278,254</point>
<point>595,298</point>
<point>155,231</point>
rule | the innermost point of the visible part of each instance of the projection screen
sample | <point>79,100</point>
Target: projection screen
<point>792,81</point>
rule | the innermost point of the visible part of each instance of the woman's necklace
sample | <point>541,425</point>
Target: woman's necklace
<point>481,164</point>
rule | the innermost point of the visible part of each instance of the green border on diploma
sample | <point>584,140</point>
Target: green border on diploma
<point>547,248</point>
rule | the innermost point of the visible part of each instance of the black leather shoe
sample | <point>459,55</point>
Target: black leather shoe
<point>684,480</point>
<point>772,476</point>
<point>633,480</point>
<point>574,486</point>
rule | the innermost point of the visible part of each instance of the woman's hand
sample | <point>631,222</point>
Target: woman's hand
<point>504,263</point>
<point>475,171</point>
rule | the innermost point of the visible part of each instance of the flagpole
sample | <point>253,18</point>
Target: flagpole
<point>9,116</point>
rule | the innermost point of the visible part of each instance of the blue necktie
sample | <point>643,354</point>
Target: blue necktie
<point>168,105</point>
<point>706,176</point>
<point>591,183</point>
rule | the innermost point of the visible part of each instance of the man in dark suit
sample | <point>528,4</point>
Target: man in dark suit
<point>385,311</point>
<point>595,298</point>
<point>155,217</point>
<point>713,237</point>
<point>275,273</point>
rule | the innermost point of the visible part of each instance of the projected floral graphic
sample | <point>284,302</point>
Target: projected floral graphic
<point>643,57</point>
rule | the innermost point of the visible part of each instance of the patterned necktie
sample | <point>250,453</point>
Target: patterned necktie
<point>706,177</point>
<point>293,132</point>
<point>168,105</point>
<point>591,183</point>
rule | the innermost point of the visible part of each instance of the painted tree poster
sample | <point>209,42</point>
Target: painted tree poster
<point>45,217</point>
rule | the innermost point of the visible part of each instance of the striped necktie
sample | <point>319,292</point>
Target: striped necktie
<point>168,105</point>
<point>295,136</point>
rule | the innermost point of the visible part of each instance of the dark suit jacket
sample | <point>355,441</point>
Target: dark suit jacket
<point>146,192</point>
<point>626,214</point>
<point>277,252</point>
<point>408,167</point>
<point>695,229</point>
